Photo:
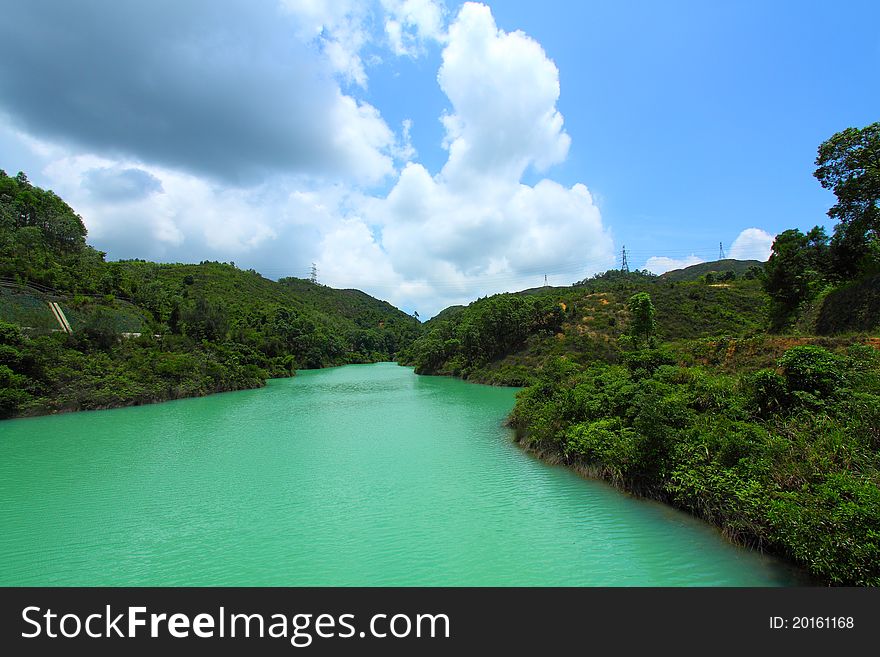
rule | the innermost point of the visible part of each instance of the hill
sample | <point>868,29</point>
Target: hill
<point>507,338</point>
<point>144,331</point>
<point>445,314</point>
<point>741,268</point>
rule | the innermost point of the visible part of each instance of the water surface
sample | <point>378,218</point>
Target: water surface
<point>359,475</point>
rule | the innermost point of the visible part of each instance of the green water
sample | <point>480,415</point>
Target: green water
<point>360,475</point>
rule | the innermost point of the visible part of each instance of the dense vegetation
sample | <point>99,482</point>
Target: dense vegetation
<point>193,329</point>
<point>785,459</point>
<point>507,338</point>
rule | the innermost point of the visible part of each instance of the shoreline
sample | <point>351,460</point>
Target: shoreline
<point>46,411</point>
<point>594,473</point>
<point>64,410</point>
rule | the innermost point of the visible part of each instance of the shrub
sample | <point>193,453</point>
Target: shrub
<point>644,363</point>
<point>769,392</point>
<point>812,369</point>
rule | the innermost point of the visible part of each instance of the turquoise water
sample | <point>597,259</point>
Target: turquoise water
<point>359,475</point>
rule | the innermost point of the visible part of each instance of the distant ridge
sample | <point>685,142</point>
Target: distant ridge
<point>694,272</point>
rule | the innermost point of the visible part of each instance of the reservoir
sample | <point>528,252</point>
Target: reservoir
<point>358,475</point>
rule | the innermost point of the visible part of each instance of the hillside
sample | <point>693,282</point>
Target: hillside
<point>851,307</point>
<point>506,338</point>
<point>203,328</point>
<point>718,268</point>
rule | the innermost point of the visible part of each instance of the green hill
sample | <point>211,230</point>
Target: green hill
<point>740,268</point>
<point>507,338</point>
<point>203,328</point>
<point>445,314</point>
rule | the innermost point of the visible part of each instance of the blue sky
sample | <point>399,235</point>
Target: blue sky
<point>429,152</point>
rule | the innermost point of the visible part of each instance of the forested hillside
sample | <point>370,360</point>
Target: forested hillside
<point>507,338</point>
<point>145,332</point>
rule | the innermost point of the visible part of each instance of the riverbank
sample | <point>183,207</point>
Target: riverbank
<point>598,473</point>
<point>127,397</point>
<point>783,460</point>
<point>173,395</point>
<point>57,373</point>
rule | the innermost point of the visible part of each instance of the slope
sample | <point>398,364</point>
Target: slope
<point>718,267</point>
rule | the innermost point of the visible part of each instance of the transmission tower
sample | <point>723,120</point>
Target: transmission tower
<point>721,255</point>
<point>313,276</point>
<point>545,280</point>
<point>624,265</point>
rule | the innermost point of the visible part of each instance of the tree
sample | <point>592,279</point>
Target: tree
<point>205,320</point>
<point>849,165</point>
<point>643,323</point>
<point>795,271</point>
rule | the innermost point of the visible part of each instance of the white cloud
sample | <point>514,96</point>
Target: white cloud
<point>751,244</point>
<point>503,90</point>
<point>474,228</point>
<point>662,264</point>
<point>404,150</point>
<point>339,28</point>
<point>411,22</point>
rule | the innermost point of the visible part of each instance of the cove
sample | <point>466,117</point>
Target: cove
<point>357,475</point>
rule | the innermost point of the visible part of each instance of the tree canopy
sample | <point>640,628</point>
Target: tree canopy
<point>848,164</point>
<point>802,265</point>
<point>642,320</point>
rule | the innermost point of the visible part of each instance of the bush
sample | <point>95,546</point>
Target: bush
<point>645,362</point>
<point>769,392</point>
<point>813,370</point>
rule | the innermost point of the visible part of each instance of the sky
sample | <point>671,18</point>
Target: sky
<point>432,152</point>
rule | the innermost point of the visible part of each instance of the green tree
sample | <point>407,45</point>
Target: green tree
<point>206,320</point>
<point>100,330</point>
<point>849,165</point>
<point>642,316</point>
<point>795,271</point>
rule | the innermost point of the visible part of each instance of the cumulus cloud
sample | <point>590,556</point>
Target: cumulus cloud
<point>474,227</point>
<point>663,264</point>
<point>255,96</point>
<point>503,90</point>
<point>409,23</point>
<point>214,88</point>
<point>751,244</point>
